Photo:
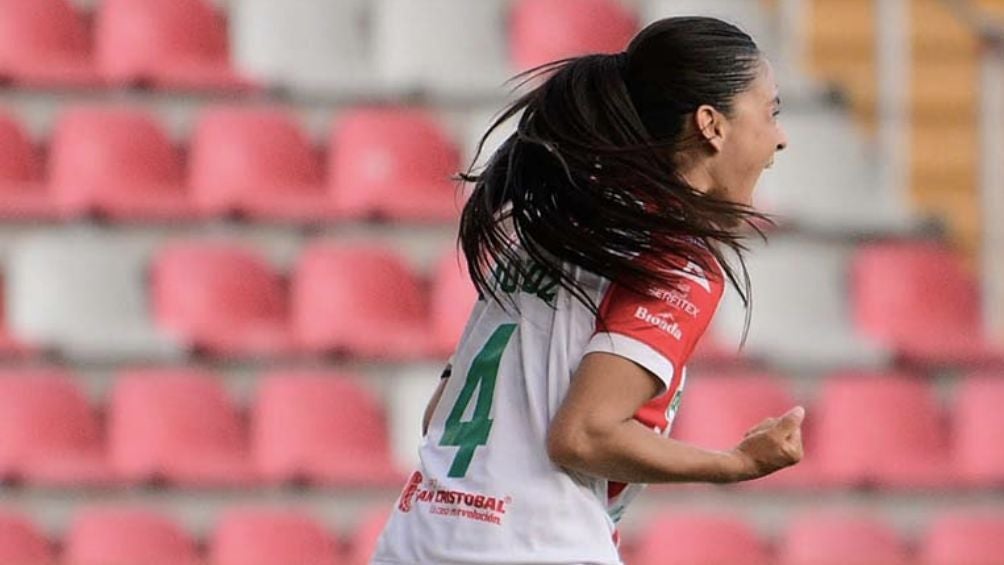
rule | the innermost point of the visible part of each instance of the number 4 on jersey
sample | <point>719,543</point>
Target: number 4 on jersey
<point>468,435</point>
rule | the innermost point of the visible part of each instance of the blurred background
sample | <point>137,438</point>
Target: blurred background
<point>230,279</point>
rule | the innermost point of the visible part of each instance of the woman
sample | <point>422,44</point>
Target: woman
<point>595,237</point>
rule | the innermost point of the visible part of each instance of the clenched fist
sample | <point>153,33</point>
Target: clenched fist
<point>771,445</point>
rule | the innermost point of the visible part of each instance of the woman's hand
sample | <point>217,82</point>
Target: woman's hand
<point>771,445</point>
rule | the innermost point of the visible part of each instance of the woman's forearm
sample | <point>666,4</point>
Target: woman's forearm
<point>632,453</point>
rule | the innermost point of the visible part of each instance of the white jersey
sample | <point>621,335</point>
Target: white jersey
<point>486,490</point>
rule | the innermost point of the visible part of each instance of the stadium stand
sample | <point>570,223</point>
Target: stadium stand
<point>542,31</point>
<point>977,420</point>
<point>841,539</point>
<point>250,536</point>
<point>21,542</point>
<point>685,539</point>
<point>24,194</point>
<point>45,43</point>
<point>958,537</point>
<point>103,535</point>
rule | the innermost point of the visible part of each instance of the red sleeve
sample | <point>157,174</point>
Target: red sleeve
<point>659,329</point>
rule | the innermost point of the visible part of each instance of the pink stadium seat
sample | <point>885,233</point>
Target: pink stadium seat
<point>179,425</point>
<point>117,162</point>
<point>833,539</point>
<point>453,297</point>
<point>21,543</point>
<point>269,537</point>
<point>917,299</point>
<point>548,30</point>
<point>393,163</point>
<point>978,424</point>
<point>175,44</point>
<point>956,538</point>
<point>359,299</point>
<point>717,411</point>
<point>693,539</point>
<point>114,536</point>
<point>223,298</point>
<point>880,429</point>
<point>44,43</point>
<point>258,162</point>
<point>367,534</point>
<point>49,433</point>
<point>323,428</point>
<point>23,194</point>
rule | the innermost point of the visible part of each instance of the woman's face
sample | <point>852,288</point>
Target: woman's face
<point>752,135</point>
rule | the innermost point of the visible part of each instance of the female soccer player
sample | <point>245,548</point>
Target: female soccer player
<point>596,237</point>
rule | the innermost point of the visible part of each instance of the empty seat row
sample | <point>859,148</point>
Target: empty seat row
<point>363,300</point>
<point>241,536</point>
<point>444,46</point>
<point>393,163</point>
<point>814,301</point>
<point>174,44</point>
<point>181,426</point>
<point>265,536</point>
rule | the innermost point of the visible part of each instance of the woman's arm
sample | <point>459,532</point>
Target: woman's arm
<point>595,432</point>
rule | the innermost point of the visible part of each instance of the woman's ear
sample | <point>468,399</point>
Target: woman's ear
<point>710,124</point>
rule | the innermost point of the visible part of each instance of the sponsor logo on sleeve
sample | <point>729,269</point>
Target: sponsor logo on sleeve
<point>661,321</point>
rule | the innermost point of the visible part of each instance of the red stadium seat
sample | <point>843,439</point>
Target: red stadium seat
<point>834,539</point>
<point>175,44</point>
<point>361,300</point>
<point>884,430</point>
<point>973,539</point>
<point>23,194</point>
<point>178,425</point>
<point>393,163</point>
<point>691,539</point>
<point>978,423</point>
<point>367,534</point>
<point>222,298</point>
<point>258,162</point>
<point>453,296</point>
<point>44,43</point>
<point>718,410</point>
<point>22,544</point>
<point>112,536</point>
<point>48,431</point>
<point>917,299</point>
<point>320,427</point>
<point>119,163</point>
<point>548,30</point>
<point>269,537</point>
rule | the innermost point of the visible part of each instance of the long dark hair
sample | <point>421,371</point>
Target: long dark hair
<point>588,177</point>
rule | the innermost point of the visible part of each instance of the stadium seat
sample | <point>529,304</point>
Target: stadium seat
<point>44,43</point>
<point>718,409</point>
<point>752,16</point>
<point>441,47</point>
<point>365,536</point>
<point>117,162</point>
<point>800,307</point>
<point>173,44</point>
<point>695,539</point>
<point>881,430</point>
<point>113,536</point>
<point>269,537</point>
<point>835,539</point>
<point>393,163</point>
<point>50,435</point>
<point>542,31</point>
<point>977,423</point>
<point>826,180</point>
<point>453,296</point>
<point>23,194</point>
<point>221,298</point>
<point>308,46</point>
<point>358,299</point>
<point>917,299</point>
<point>22,543</point>
<point>177,425</point>
<point>322,428</point>
<point>257,162</point>
<point>955,538</point>
<point>80,292</point>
